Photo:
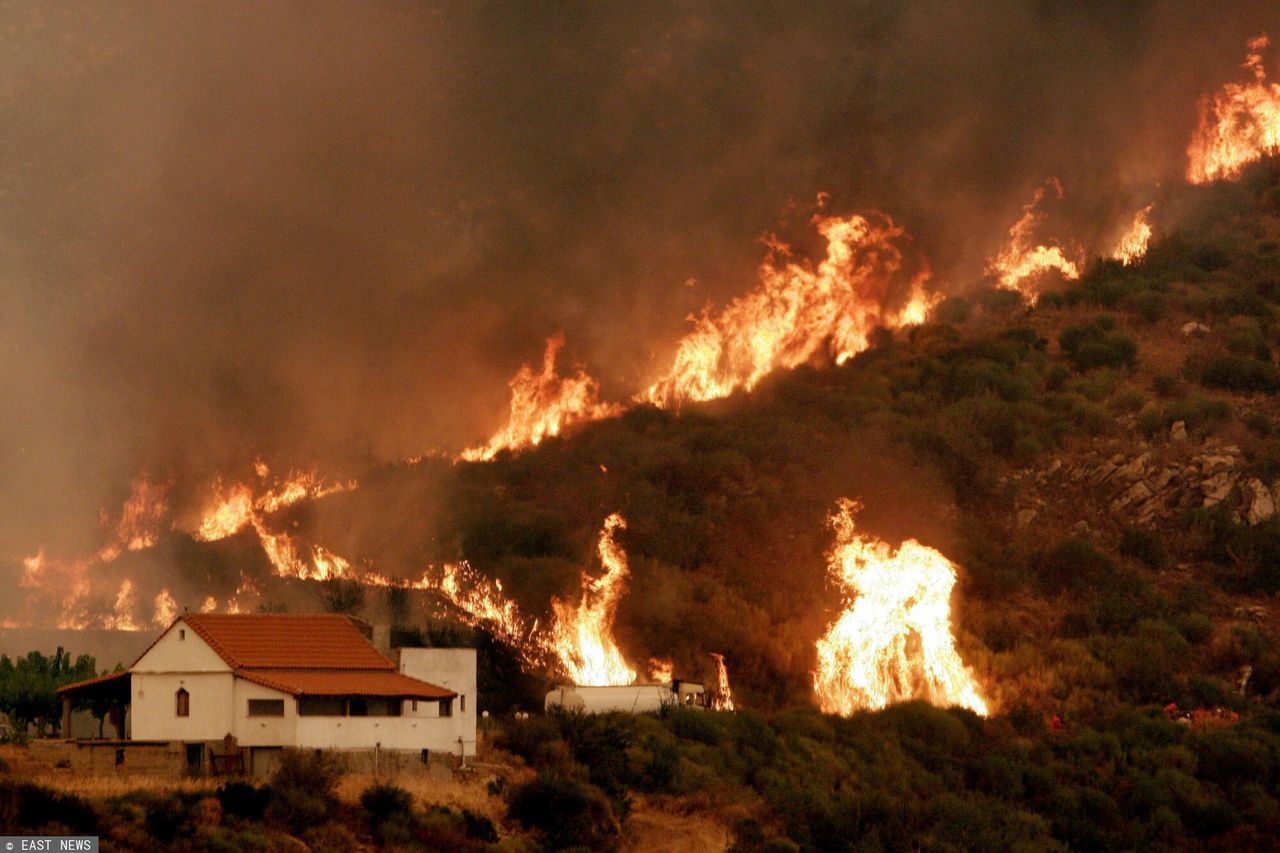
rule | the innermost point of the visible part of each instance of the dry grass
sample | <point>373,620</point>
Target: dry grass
<point>472,795</point>
<point>101,786</point>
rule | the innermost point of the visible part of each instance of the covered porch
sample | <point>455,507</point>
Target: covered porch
<point>107,697</point>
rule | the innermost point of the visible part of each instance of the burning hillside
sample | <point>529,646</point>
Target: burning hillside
<point>723,502</point>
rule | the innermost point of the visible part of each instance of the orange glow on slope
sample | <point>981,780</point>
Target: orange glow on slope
<point>1238,126</point>
<point>893,641</point>
<point>795,312</point>
<point>723,698</point>
<point>544,404</point>
<point>1022,261</point>
<point>232,510</point>
<point>1133,244</point>
<point>582,635</point>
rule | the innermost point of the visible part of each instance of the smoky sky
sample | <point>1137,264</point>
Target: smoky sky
<point>330,232</point>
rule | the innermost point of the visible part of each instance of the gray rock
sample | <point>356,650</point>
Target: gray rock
<point>1217,488</point>
<point>1025,517</point>
<point>1178,432</point>
<point>1194,328</point>
<point>1259,504</point>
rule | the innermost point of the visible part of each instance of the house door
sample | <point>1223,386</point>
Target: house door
<point>195,759</point>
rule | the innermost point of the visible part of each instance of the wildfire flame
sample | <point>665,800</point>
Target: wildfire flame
<point>893,641</point>
<point>582,635</point>
<point>723,698</point>
<point>543,404</point>
<point>166,610</point>
<point>1238,126</point>
<point>1022,261</point>
<point>795,312</point>
<point>140,521</point>
<point>482,603</point>
<point>122,614</point>
<point>1133,244</point>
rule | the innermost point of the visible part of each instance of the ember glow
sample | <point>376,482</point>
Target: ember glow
<point>1023,260</point>
<point>583,633</point>
<point>1133,244</point>
<point>893,641</point>
<point>795,313</point>
<point>1239,125</point>
<point>723,698</point>
<point>543,404</point>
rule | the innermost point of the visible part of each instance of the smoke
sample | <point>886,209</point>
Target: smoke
<point>329,233</point>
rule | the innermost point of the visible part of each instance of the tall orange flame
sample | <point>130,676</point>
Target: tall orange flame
<point>723,698</point>
<point>166,609</point>
<point>795,312</point>
<point>1023,261</point>
<point>1238,126</point>
<point>1133,243</point>
<point>544,404</point>
<point>893,641</point>
<point>582,635</point>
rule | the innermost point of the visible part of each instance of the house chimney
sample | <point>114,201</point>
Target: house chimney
<point>382,639</point>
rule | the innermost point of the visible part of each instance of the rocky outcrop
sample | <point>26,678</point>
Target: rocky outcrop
<point>1150,485</point>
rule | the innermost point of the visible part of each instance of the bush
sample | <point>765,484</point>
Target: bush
<point>566,812</point>
<point>1091,345</point>
<point>1071,564</point>
<point>302,789</point>
<point>381,801</point>
<point>1144,546</point>
<point>1234,373</point>
<point>243,800</point>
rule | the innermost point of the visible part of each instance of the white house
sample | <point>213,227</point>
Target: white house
<point>239,688</point>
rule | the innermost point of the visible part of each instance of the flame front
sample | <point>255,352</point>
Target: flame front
<point>543,404</point>
<point>482,603</point>
<point>1238,126</point>
<point>794,313</point>
<point>1022,261</point>
<point>583,635</point>
<point>893,641</point>
<point>1133,243</point>
<point>723,698</point>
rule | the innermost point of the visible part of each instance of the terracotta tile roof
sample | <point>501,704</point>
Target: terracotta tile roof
<point>287,641</point>
<point>310,682</point>
<point>91,682</point>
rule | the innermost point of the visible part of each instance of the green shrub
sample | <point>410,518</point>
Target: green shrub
<point>1072,563</point>
<point>1091,345</point>
<point>1165,384</point>
<point>1233,373</point>
<point>567,812</point>
<point>1144,546</point>
<point>382,801</point>
<point>243,800</point>
<point>302,788</point>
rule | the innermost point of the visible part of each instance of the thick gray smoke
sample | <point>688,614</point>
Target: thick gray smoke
<point>329,232</point>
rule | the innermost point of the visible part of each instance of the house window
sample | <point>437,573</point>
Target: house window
<point>446,707</point>
<point>182,633</point>
<point>462,702</point>
<point>266,707</point>
<point>182,702</point>
<point>322,706</point>
<point>415,704</point>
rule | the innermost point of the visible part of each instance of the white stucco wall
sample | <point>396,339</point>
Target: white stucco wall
<point>263,731</point>
<point>454,669</point>
<point>407,733</point>
<point>180,649</point>
<point>155,709</point>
